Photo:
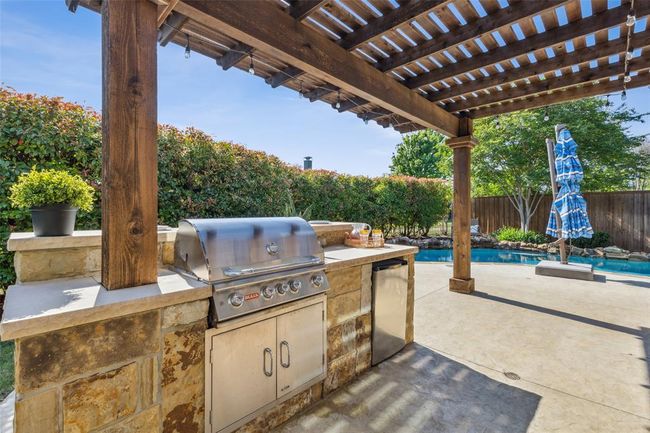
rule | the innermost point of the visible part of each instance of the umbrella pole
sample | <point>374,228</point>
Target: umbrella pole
<point>558,220</point>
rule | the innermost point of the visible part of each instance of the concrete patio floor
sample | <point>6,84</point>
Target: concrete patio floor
<point>579,351</point>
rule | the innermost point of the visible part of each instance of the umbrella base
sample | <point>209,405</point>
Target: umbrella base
<point>576,271</point>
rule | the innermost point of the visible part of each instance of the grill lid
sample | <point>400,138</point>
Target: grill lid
<point>219,249</point>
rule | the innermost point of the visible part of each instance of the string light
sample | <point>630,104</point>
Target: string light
<point>496,122</point>
<point>251,70</point>
<point>627,78</point>
<point>624,96</point>
<point>631,18</point>
<point>338,100</point>
<point>251,67</point>
<point>365,119</point>
<point>628,55</point>
<point>546,117</point>
<point>187,47</point>
<point>608,102</point>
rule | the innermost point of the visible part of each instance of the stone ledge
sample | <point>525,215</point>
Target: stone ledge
<point>27,241</point>
<point>40,307</point>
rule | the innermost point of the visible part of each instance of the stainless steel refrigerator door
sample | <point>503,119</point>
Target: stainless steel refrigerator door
<point>389,287</point>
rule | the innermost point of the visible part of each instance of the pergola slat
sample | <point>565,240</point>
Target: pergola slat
<point>264,27</point>
<point>389,21</point>
<point>583,27</point>
<point>616,46</point>
<point>301,9</point>
<point>479,27</point>
<point>550,84</point>
<point>584,91</point>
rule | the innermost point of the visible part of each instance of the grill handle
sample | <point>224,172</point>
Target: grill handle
<point>230,272</point>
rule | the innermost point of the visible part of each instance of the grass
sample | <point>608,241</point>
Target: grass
<point>6,368</point>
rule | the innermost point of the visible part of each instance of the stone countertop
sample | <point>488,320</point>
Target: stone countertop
<point>39,307</point>
<point>341,256</point>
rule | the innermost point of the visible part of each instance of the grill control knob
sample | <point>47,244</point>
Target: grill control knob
<point>282,288</point>
<point>317,280</point>
<point>236,300</point>
<point>268,291</point>
<point>295,285</point>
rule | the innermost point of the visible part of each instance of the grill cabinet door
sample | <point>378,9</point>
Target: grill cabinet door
<point>243,372</point>
<point>300,348</point>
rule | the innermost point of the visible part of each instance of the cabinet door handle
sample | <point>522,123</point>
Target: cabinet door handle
<point>268,372</point>
<point>288,364</point>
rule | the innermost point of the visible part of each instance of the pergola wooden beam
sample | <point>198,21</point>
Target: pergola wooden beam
<point>378,26</point>
<point>266,28</point>
<point>389,21</point>
<point>281,77</point>
<point>129,147</point>
<point>301,9</point>
<point>350,104</point>
<point>603,20</point>
<point>170,28</point>
<point>165,12</point>
<point>475,29</point>
<point>595,52</point>
<point>578,92</point>
<point>234,56</point>
<point>550,84</point>
<point>319,92</point>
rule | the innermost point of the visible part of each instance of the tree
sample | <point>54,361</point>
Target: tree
<point>422,154</point>
<point>642,180</point>
<point>511,157</point>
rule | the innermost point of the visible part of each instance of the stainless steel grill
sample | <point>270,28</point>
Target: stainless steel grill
<point>251,263</point>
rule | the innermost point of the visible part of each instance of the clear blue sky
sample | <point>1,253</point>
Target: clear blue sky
<point>48,50</point>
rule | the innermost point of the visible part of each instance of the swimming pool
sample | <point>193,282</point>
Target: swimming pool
<point>485,255</point>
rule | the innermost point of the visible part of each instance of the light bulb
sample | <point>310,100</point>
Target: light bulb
<point>337,105</point>
<point>628,55</point>
<point>187,47</point>
<point>546,118</point>
<point>365,120</point>
<point>623,95</point>
<point>251,68</point>
<point>338,100</point>
<point>631,18</point>
<point>627,78</point>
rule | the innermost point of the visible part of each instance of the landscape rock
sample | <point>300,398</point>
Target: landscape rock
<point>617,256</point>
<point>590,252</point>
<point>639,257</point>
<point>614,250</point>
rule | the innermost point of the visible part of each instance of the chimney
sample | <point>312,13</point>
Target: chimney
<point>307,163</point>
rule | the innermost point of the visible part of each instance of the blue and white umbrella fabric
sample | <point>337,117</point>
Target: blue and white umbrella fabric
<point>569,202</point>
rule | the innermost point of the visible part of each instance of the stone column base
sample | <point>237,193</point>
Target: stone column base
<point>461,286</point>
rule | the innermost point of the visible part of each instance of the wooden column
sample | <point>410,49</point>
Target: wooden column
<point>129,149</point>
<point>462,145</point>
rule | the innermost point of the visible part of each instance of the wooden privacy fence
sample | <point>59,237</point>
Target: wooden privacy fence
<point>625,215</point>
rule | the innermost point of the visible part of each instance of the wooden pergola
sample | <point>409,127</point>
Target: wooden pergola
<point>404,64</point>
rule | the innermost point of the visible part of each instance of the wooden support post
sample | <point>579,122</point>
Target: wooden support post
<point>129,149</point>
<point>462,280</point>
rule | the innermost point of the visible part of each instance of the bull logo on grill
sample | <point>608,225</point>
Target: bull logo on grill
<point>272,248</point>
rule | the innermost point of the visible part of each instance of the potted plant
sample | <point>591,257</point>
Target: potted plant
<point>53,197</point>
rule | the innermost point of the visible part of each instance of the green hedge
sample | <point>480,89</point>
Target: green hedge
<point>198,176</point>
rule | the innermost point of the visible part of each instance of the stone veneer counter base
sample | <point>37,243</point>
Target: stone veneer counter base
<point>44,306</point>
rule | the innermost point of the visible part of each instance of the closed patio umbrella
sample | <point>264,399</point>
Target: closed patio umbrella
<point>569,203</point>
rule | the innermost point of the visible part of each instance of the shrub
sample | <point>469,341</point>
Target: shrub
<point>599,239</point>
<point>198,176</point>
<point>513,234</point>
<point>50,187</point>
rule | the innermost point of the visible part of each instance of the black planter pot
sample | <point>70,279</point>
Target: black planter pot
<point>54,220</point>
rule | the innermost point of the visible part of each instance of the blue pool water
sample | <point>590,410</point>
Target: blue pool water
<point>532,258</point>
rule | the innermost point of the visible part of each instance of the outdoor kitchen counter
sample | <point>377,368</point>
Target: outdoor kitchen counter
<point>36,307</point>
<point>340,256</point>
